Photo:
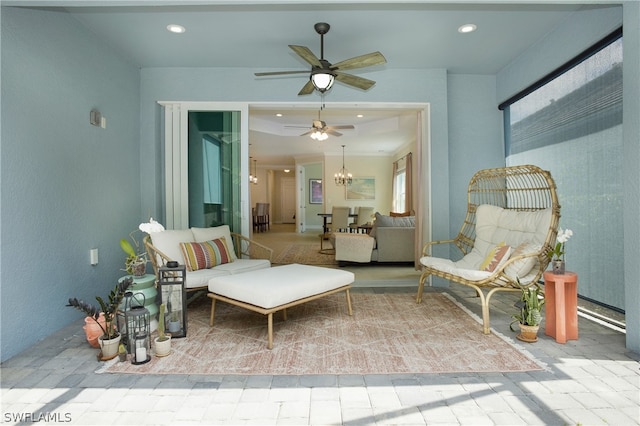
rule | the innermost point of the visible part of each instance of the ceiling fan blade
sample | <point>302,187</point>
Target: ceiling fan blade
<point>352,80</point>
<point>260,74</point>
<point>307,89</point>
<point>368,60</point>
<point>344,126</point>
<point>306,133</point>
<point>332,132</point>
<point>306,54</point>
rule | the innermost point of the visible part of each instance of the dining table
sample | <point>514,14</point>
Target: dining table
<point>327,216</point>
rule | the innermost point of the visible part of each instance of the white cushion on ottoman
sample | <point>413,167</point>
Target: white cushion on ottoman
<point>268,288</point>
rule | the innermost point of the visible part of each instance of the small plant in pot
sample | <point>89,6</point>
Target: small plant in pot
<point>163,341</point>
<point>110,339</point>
<point>136,261</point>
<point>530,316</point>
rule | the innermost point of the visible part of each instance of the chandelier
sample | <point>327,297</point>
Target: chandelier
<point>253,177</point>
<point>343,177</point>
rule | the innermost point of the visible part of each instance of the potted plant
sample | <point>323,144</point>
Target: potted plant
<point>163,341</point>
<point>174,322</point>
<point>136,262</point>
<point>531,302</point>
<point>557,253</point>
<point>110,338</point>
<point>122,353</point>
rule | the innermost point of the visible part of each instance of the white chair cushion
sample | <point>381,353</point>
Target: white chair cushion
<point>206,234</point>
<point>168,242</point>
<point>521,267</point>
<point>454,268</point>
<point>495,225</point>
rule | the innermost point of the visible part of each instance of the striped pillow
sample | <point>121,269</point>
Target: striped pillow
<point>205,255</point>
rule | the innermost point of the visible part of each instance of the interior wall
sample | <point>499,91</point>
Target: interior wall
<point>67,186</point>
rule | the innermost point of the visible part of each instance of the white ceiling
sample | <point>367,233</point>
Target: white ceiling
<point>255,34</point>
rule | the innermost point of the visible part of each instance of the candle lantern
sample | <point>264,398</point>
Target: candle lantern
<point>130,300</point>
<point>141,353</point>
<point>138,322</point>
<point>171,292</point>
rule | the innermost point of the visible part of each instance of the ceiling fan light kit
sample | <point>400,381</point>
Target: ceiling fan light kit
<point>322,81</point>
<point>323,73</point>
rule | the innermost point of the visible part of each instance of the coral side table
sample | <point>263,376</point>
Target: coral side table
<point>561,294</point>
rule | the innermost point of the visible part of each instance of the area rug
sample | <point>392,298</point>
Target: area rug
<point>306,254</point>
<point>387,334</point>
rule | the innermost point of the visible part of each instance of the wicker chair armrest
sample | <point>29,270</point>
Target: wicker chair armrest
<point>426,249</point>
<point>246,247</point>
<point>156,257</point>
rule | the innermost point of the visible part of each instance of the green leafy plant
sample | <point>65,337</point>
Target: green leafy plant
<point>109,308</point>
<point>134,256</point>
<point>531,302</point>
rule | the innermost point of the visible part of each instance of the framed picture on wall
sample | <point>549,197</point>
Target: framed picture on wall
<point>315,191</point>
<point>361,188</point>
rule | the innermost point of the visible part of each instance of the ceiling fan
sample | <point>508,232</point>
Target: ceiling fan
<point>323,73</point>
<point>319,127</point>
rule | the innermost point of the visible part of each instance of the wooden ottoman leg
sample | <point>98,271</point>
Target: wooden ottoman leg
<point>349,302</point>
<point>270,330</point>
<point>213,308</point>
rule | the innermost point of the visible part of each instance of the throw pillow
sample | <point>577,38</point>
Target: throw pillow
<point>496,257</point>
<point>403,214</point>
<point>205,255</point>
<point>521,267</point>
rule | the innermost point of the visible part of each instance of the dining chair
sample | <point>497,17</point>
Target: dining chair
<point>339,223</point>
<point>364,216</point>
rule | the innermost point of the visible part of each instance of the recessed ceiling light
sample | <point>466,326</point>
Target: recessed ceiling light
<point>175,28</point>
<point>360,115</point>
<point>278,115</point>
<point>287,170</point>
<point>467,28</point>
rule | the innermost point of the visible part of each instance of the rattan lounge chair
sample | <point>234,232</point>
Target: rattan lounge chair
<point>519,207</point>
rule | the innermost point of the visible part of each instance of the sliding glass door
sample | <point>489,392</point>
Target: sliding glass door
<point>205,171</point>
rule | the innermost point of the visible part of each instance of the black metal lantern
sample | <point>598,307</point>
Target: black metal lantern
<point>130,300</point>
<point>171,292</point>
<point>138,322</point>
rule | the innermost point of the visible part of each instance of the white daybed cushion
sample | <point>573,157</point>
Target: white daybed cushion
<point>280,285</point>
<point>201,277</point>
<point>206,234</point>
<point>168,242</point>
<point>240,266</point>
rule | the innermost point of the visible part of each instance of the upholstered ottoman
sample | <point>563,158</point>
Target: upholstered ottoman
<point>275,289</point>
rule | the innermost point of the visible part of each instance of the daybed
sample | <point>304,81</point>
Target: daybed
<point>511,224</point>
<point>210,252</point>
<point>391,240</point>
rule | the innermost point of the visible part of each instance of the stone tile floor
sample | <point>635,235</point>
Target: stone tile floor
<point>590,381</point>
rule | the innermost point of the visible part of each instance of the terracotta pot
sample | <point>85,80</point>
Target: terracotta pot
<point>528,333</point>
<point>163,348</point>
<point>93,330</point>
<point>109,347</point>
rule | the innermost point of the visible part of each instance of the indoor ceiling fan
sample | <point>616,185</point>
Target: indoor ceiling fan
<point>319,127</point>
<point>323,73</point>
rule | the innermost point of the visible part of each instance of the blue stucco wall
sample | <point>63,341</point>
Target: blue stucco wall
<point>67,186</point>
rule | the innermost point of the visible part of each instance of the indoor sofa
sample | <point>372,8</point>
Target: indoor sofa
<point>392,239</point>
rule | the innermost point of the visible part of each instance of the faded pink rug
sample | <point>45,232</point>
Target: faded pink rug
<point>387,334</point>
